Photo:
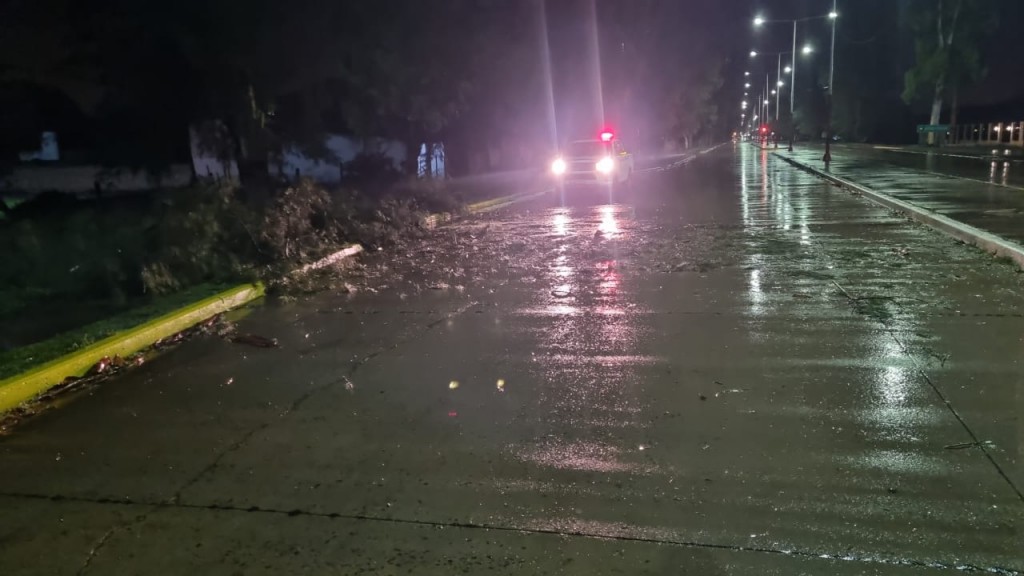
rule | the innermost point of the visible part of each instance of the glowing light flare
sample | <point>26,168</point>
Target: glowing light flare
<point>605,165</point>
<point>607,136</point>
<point>558,167</point>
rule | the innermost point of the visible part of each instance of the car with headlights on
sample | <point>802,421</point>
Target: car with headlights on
<point>602,160</point>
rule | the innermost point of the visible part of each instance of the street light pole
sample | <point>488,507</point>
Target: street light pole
<point>792,93</point>
<point>778,87</point>
<point>767,94</point>
<point>760,113</point>
<point>831,80</point>
<point>758,21</point>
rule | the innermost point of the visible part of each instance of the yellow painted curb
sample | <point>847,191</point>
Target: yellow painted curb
<point>478,206</point>
<point>502,201</point>
<point>17,389</point>
<point>435,220</point>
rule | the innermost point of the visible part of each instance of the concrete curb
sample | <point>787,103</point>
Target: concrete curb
<point>17,389</point>
<point>985,240</point>
<point>502,201</point>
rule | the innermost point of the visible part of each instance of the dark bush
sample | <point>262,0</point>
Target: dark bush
<point>204,235</point>
<point>123,248</point>
<point>299,225</point>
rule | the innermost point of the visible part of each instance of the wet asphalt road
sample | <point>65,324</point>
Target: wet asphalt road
<point>734,369</point>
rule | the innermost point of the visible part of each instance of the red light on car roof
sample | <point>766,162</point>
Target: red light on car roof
<point>607,136</point>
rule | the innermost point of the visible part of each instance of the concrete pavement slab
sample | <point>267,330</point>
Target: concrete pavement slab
<point>254,543</point>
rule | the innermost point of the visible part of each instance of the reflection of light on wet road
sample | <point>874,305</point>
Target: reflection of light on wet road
<point>609,281</point>
<point>892,385</point>
<point>757,297</point>
<point>764,176</point>
<point>561,223</point>
<point>904,462</point>
<point>561,268</point>
<point>582,455</point>
<point>588,356</point>
<point>999,174</point>
<point>560,310</point>
<point>745,195</point>
<point>609,226</point>
<point>897,408</point>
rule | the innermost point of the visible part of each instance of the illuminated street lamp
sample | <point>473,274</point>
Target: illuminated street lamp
<point>833,15</point>
<point>807,50</point>
<point>778,74</point>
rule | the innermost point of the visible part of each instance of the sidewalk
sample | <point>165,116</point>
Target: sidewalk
<point>1014,154</point>
<point>944,187</point>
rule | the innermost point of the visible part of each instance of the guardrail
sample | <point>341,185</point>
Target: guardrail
<point>990,134</point>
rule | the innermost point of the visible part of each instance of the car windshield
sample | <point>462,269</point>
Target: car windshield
<point>587,148</point>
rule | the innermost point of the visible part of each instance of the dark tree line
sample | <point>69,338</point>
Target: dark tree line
<point>902,63</point>
<point>126,78</point>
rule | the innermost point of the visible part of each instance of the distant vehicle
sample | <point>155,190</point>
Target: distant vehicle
<point>602,160</point>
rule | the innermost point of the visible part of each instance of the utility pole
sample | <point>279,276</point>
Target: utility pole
<point>778,86</point>
<point>831,80</point>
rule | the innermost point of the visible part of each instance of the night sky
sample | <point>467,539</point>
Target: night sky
<point>662,38</point>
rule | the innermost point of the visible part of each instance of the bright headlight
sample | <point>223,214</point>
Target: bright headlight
<point>558,166</point>
<point>605,165</point>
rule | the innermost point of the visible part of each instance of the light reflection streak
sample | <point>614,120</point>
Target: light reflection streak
<point>757,297</point>
<point>609,226</point>
<point>561,224</point>
<point>589,355</point>
<point>745,188</point>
